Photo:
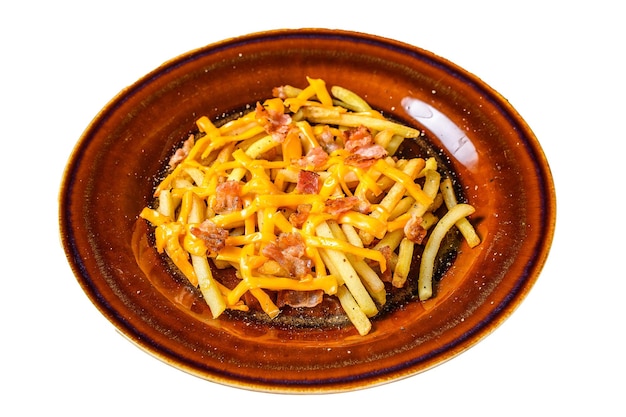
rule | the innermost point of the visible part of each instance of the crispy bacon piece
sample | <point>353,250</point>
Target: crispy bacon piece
<point>228,197</point>
<point>373,151</point>
<point>315,158</point>
<point>308,182</point>
<point>182,152</point>
<point>299,298</point>
<point>327,140</point>
<point>359,161</point>
<point>292,244</point>
<point>366,157</point>
<point>357,137</point>
<point>341,205</point>
<point>414,231</point>
<point>363,151</point>
<point>298,217</point>
<point>279,92</point>
<point>214,237</point>
<point>289,252</point>
<point>275,123</point>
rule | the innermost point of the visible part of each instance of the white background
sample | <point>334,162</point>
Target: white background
<point>560,64</point>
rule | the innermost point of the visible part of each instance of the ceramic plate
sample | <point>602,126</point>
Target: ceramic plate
<point>497,161</point>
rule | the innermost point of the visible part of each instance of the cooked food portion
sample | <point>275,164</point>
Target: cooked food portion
<point>305,197</point>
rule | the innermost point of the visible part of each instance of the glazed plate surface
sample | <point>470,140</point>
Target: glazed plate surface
<point>498,163</point>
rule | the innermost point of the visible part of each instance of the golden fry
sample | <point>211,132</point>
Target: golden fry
<point>464,226</point>
<point>427,265</point>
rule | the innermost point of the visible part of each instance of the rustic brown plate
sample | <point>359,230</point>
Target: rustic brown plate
<point>499,164</point>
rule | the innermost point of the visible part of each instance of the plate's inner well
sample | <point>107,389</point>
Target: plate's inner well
<point>171,283</point>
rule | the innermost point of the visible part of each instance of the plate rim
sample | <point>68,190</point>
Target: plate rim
<point>492,323</point>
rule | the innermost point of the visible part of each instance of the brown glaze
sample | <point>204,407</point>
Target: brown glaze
<point>499,164</point>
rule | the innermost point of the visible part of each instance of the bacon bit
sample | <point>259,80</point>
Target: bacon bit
<point>182,152</point>
<point>341,205</point>
<point>327,140</point>
<point>291,244</point>
<point>299,298</point>
<point>289,252</point>
<point>213,237</point>
<point>298,218</point>
<point>356,138</point>
<point>275,123</point>
<point>359,161</point>
<point>363,151</point>
<point>414,231</point>
<point>308,182</point>
<point>315,158</point>
<point>373,151</point>
<point>279,92</point>
<point>228,197</point>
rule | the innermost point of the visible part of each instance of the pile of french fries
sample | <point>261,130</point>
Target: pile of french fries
<point>346,249</point>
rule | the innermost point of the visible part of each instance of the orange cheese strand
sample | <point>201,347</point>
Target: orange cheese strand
<point>266,302</point>
<point>412,188</point>
<point>327,283</point>
<point>319,86</point>
<point>364,222</point>
<point>167,239</point>
<point>154,217</point>
<point>345,247</point>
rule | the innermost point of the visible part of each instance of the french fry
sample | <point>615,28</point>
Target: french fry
<point>358,318</point>
<point>394,144</point>
<point>431,187</point>
<point>404,178</point>
<point>393,196</point>
<point>207,284</point>
<point>403,265</point>
<point>464,226</point>
<point>384,137</point>
<point>401,208</point>
<point>332,116</point>
<point>391,239</point>
<point>166,204</point>
<point>340,266</point>
<point>196,175</point>
<point>429,165</point>
<point>350,99</point>
<point>397,191</point>
<point>372,282</point>
<point>289,91</point>
<point>351,235</point>
<point>427,264</point>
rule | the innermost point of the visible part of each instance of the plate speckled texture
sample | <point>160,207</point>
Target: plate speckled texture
<point>495,156</point>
